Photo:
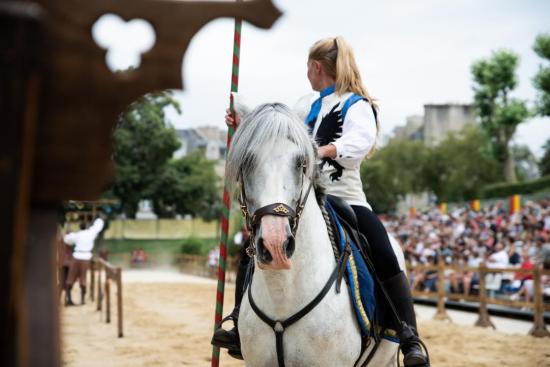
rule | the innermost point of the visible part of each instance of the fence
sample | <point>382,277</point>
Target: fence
<point>102,275</point>
<point>188,264</point>
<point>537,305</point>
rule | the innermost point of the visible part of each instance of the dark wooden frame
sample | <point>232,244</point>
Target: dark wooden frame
<point>59,104</point>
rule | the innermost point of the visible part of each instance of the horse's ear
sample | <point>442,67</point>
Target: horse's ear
<point>240,106</point>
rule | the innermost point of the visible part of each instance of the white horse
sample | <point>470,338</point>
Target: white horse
<point>273,159</point>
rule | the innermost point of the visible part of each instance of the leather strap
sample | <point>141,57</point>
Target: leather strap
<point>279,327</point>
<point>279,209</point>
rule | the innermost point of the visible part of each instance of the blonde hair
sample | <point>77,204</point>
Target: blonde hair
<point>337,59</point>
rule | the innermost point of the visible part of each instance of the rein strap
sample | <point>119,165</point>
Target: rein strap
<point>279,327</point>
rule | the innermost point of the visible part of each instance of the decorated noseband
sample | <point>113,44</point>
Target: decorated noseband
<point>278,209</point>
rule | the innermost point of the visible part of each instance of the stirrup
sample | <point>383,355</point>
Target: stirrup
<point>424,348</point>
<point>233,349</point>
<point>230,317</point>
<point>234,345</point>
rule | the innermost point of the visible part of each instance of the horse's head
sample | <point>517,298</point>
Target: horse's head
<point>272,158</point>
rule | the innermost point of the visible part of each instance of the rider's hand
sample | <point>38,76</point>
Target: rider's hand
<point>230,120</point>
<point>327,151</point>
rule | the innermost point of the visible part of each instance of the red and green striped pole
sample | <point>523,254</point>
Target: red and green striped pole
<point>224,238</point>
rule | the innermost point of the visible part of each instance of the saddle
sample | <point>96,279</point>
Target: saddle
<point>343,210</point>
<point>369,304</point>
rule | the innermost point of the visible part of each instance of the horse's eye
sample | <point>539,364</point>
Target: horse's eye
<point>300,163</point>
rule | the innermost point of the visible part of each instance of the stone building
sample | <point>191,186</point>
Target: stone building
<point>436,123</point>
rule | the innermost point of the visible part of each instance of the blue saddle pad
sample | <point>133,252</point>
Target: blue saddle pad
<point>363,290</point>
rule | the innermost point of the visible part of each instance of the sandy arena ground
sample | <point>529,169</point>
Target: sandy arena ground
<point>168,322</point>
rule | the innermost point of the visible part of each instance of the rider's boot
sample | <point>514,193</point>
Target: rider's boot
<point>398,290</point>
<point>230,338</point>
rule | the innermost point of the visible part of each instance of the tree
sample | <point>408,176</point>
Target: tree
<point>189,185</point>
<point>499,114</point>
<point>454,170</point>
<point>542,78</point>
<point>394,171</point>
<point>460,166</point>
<point>544,164</point>
<point>143,147</point>
<point>527,167</point>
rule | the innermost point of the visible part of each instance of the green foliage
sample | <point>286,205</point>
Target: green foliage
<point>460,165</point>
<point>541,80</point>
<point>505,189</point>
<point>544,164</point>
<point>191,245</point>
<point>454,170</point>
<point>195,246</point>
<point>393,172</point>
<point>494,79</point>
<point>189,185</point>
<point>527,167</point>
<point>143,146</point>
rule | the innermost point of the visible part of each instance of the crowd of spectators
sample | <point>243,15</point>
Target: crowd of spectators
<point>466,237</point>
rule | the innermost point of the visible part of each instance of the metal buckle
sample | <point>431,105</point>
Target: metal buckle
<point>250,251</point>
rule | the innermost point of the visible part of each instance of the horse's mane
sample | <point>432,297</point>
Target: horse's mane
<point>266,125</point>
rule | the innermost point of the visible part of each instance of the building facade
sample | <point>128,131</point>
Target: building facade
<point>437,122</point>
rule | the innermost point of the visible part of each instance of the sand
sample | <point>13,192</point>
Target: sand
<point>168,322</point>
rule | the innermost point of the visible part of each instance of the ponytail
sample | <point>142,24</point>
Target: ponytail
<point>337,59</point>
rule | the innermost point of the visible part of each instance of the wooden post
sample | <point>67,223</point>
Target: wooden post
<point>441,313</point>
<point>108,298</point>
<point>483,320</point>
<point>39,338</point>
<point>92,279</point>
<point>539,327</point>
<point>99,266</point>
<point>119,301</point>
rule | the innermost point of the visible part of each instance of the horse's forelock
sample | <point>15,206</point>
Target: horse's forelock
<point>266,126</point>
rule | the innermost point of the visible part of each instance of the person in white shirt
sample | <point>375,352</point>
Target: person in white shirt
<point>83,242</point>
<point>342,119</point>
<point>499,258</point>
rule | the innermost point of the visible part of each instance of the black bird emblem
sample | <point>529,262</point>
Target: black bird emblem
<point>329,130</point>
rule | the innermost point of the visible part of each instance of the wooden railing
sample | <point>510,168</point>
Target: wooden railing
<point>537,305</point>
<point>102,275</point>
<point>189,264</point>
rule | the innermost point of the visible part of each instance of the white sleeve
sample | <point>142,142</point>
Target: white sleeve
<point>358,135</point>
<point>97,226</point>
<point>70,238</point>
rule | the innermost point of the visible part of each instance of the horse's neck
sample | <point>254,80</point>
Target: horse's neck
<point>284,292</point>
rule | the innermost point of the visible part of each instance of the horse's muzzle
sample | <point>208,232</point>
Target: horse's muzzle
<point>275,243</point>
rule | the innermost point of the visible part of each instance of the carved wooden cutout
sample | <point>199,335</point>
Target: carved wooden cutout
<point>82,97</point>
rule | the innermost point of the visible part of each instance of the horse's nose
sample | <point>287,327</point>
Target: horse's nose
<point>274,243</point>
<point>265,256</point>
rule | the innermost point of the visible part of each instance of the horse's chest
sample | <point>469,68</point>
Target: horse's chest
<point>327,336</point>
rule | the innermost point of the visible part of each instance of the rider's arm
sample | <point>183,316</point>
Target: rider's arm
<point>358,135</point>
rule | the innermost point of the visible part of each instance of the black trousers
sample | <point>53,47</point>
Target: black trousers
<point>383,257</point>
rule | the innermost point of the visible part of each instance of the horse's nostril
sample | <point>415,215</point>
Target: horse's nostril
<point>289,246</point>
<point>263,254</point>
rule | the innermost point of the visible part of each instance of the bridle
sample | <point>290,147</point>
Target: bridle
<point>279,209</point>
<point>283,210</point>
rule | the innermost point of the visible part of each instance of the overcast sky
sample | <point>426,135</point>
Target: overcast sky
<point>409,52</point>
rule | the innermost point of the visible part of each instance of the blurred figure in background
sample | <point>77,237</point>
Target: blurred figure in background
<point>83,242</point>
